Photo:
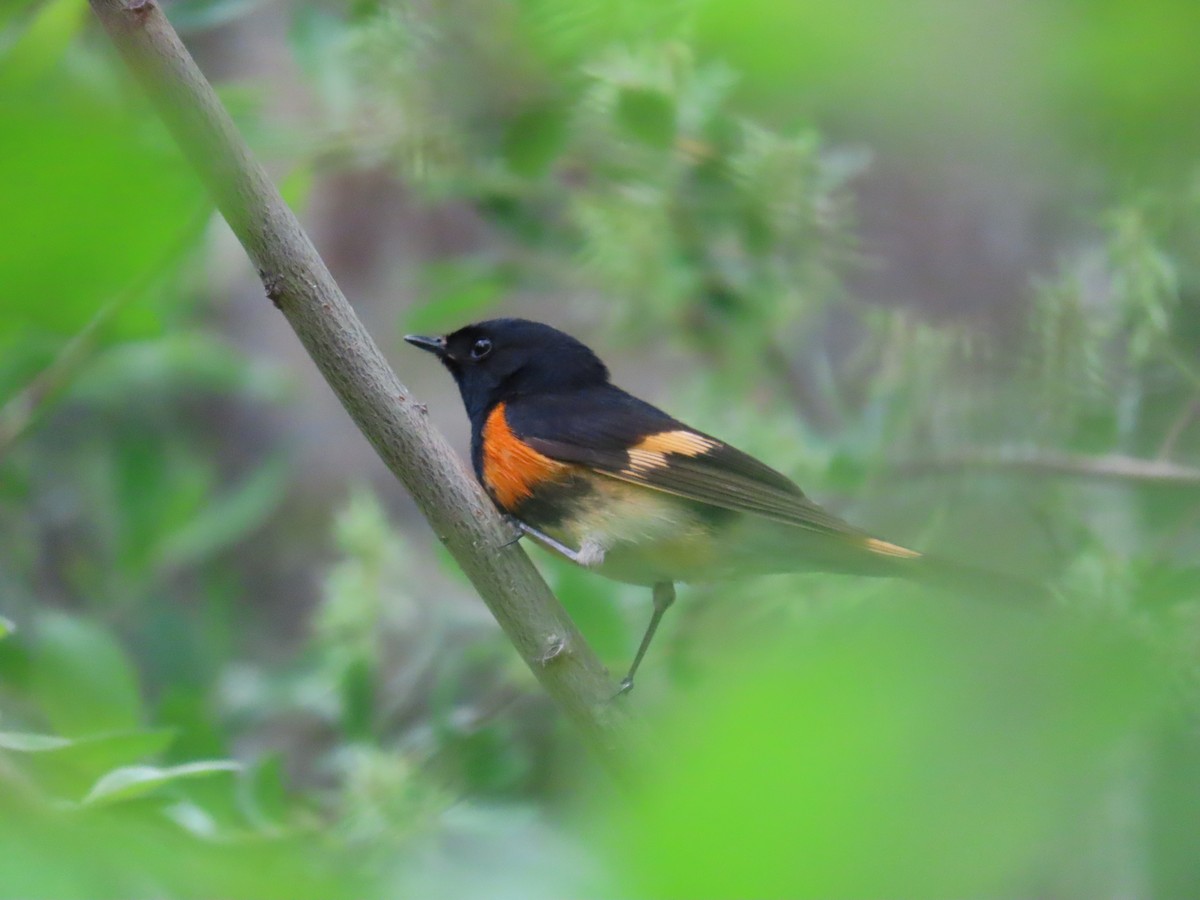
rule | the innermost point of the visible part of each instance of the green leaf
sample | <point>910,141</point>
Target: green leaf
<point>357,689</point>
<point>155,493</point>
<point>10,10</point>
<point>267,796</point>
<point>957,750</point>
<point>534,139</point>
<point>131,782</point>
<point>648,115</point>
<point>43,42</point>
<point>847,472</point>
<point>131,203</point>
<point>70,768</point>
<point>229,518</point>
<point>82,679</point>
<point>7,627</point>
<point>25,742</point>
<point>193,818</point>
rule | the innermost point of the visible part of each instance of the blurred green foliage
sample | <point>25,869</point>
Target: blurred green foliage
<point>916,752</point>
<point>168,725</point>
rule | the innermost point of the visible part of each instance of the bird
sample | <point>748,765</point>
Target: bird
<point>620,487</point>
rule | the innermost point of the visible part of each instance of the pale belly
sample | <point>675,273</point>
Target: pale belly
<point>631,534</point>
<point>642,536</point>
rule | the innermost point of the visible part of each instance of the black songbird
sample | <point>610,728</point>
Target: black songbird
<point>620,487</point>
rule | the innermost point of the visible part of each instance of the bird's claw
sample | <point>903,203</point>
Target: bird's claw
<point>623,688</point>
<point>517,530</point>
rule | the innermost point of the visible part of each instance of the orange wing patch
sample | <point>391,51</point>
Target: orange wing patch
<point>685,443</point>
<point>651,451</point>
<point>511,468</point>
<point>883,548</point>
<point>642,461</point>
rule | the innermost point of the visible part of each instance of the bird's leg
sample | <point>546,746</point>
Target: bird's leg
<point>588,556</point>
<point>664,596</point>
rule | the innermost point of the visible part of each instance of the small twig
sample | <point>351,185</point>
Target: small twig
<point>24,407</point>
<point>1186,416</point>
<point>19,413</point>
<point>300,286</point>
<point>1050,463</point>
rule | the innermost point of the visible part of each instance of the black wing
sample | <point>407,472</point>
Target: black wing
<point>618,435</point>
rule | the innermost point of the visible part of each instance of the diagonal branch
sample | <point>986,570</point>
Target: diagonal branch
<point>301,287</point>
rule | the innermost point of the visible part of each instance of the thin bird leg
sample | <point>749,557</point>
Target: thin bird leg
<point>664,596</point>
<point>575,556</point>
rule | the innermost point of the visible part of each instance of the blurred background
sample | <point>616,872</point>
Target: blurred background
<point>938,261</point>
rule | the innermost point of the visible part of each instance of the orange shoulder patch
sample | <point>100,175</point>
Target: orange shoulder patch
<point>511,468</point>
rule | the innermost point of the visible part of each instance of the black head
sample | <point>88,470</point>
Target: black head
<point>502,359</point>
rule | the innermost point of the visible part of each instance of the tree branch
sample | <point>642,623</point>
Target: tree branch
<point>301,287</point>
<point>1044,462</point>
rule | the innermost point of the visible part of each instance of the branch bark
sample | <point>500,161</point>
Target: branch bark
<point>1049,463</point>
<point>296,280</point>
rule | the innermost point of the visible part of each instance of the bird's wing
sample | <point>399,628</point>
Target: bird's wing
<point>622,437</point>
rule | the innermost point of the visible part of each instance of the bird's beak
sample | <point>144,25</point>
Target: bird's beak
<point>435,345</point>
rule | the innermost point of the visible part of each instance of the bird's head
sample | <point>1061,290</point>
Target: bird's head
<point>502,359</point>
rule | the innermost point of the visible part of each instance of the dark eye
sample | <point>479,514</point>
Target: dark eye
<point>481,348</point>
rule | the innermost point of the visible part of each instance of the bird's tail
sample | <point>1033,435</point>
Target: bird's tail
<point>856,553</point>
<point>976,582</point>
<point>950,576</point>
